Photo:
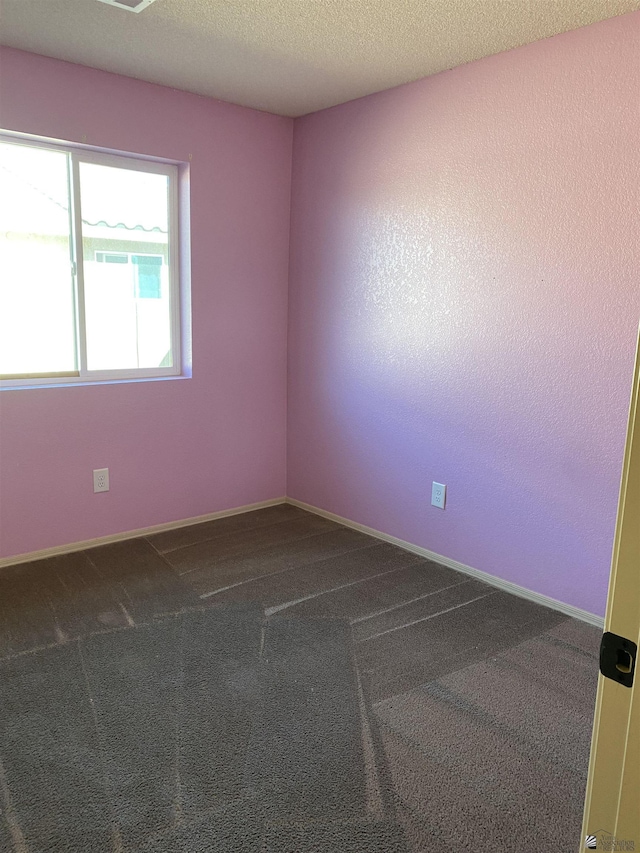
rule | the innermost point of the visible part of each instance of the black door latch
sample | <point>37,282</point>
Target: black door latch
<point>618,658</point>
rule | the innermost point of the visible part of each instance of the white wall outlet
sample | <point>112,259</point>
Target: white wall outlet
<point>438,494</point>
<point>101,480</point>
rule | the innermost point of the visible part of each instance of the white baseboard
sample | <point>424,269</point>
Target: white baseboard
<point>133,534</point>
<point>499,583</point>
<point>507,586</point>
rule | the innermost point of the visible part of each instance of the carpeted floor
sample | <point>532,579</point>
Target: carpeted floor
<point>276,683</point>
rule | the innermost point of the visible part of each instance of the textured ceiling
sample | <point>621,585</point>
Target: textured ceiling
<point>289,56</point>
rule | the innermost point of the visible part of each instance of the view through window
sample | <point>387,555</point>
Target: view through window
<point>88,284</point>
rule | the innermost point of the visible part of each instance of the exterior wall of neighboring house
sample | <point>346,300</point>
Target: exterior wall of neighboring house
<point>175,448</point>
<point>112,289</point>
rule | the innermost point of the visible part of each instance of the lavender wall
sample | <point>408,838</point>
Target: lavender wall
<point>175,449</point>
<point>464,302</point>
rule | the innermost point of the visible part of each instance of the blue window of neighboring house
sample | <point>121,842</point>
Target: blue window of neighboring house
<point>146,268</point>
<point>147,276</point>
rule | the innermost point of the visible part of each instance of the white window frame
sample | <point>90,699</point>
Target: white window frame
<point>83,375</point>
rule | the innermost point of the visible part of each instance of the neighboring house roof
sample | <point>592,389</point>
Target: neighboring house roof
<point>44,210</point>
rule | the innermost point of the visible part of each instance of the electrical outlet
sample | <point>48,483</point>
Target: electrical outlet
<point>101,480</point>
<point>438,495</point>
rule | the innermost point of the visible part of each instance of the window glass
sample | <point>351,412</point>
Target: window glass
<point>37,303</point>
<point>127,301</point>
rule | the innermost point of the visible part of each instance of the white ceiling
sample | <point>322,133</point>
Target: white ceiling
<point>289,56</point>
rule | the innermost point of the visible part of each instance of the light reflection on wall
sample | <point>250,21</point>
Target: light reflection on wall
<point>464,307</point>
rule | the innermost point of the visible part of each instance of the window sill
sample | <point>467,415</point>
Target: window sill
<point>83,383</point>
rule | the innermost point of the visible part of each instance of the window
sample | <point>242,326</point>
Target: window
<point>146,271</point>
<point>88,266</point>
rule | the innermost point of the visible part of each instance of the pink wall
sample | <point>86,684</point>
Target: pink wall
<point>175,449</point>
<point>464,301</point>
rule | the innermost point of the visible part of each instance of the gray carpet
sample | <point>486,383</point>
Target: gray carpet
<point>275,683</point>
